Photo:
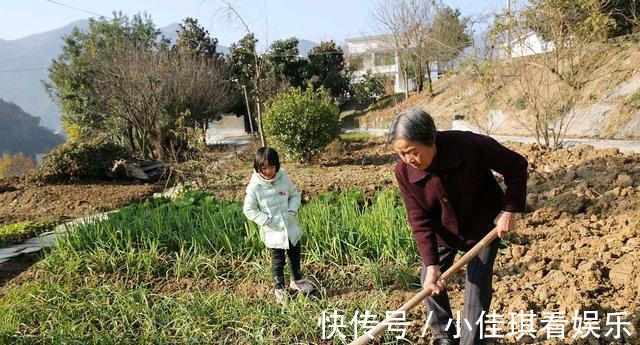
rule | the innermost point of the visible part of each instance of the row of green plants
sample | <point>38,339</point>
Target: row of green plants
<point>18,232</point>
<point>343,228</point>
<point>106,282</point>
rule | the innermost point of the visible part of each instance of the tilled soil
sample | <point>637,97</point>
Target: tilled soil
<point>22,200</point>
<point>577,249</point>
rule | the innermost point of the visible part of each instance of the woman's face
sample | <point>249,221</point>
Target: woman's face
<point>414,153</point>
<point>267,171</point>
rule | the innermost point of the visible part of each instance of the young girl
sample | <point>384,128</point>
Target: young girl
<point>272,202</point>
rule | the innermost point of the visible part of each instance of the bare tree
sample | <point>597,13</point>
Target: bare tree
<point>153,96</point>
<point>391,16</point>
<point>548,64</point>
<point>549,83</point>
<point>423,31</point>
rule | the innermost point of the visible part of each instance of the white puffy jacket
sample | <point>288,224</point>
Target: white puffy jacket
<point>267,203</point>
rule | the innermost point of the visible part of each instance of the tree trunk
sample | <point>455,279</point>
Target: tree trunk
<point>405,77</point>
<point>132,144</point>
<point>205,126</point>
<point>246,100</point>
<point>419,76</point>
<point>263,140</point>
<point>429,81</point>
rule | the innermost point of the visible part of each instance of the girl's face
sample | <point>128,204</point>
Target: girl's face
<point>267,171</point>
<point>414,153</point>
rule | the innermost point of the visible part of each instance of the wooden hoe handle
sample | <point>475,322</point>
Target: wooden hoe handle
<point>424,293</point>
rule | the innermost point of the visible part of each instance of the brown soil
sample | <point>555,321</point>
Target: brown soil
<point>576,249</point>
<point>22,200</point>
<point>363,165</point>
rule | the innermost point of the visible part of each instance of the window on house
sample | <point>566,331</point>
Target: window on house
<point>384,58</point>
<point>356,62</point>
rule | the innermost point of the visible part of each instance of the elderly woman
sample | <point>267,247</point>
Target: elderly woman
<point>452,201</point>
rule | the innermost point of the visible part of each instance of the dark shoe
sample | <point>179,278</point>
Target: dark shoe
<point>446,341</point>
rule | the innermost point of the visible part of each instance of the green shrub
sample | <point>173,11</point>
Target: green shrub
<point>81,160</point>
<point>520,103</point>
<point>368,89</point>
<point>302,123</point>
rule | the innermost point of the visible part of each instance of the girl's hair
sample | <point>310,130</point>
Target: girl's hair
<point>413,124</point>
<point>266,154</point>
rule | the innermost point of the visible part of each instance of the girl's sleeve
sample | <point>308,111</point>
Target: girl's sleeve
<point>294,196</point>
<point>251,209</point>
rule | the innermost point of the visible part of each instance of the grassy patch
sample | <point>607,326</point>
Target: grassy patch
<point>52,313</point>
<point>19,232</point>
<point>193,271</point>
<point>387,101</point>
<point>355,137</point>
<point>634,101</point>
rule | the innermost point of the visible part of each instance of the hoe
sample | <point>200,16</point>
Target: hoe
<point>415,300</point>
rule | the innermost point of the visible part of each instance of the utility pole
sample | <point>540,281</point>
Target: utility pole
<point>508,10</point>
<point>246,102</point>
<point>256,81</point>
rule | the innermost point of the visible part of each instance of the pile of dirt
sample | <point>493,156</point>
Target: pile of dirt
<point>22,200</point>
<point>588,202</point>
<point>577,248</point>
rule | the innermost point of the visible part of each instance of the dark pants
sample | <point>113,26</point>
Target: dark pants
<point>278,261</point>
<point>477,296</point>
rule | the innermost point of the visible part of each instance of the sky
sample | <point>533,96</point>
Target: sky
<point>315,20</point>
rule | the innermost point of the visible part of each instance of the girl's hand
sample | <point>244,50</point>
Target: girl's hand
<point>292,216</point>
<point>505,222</point>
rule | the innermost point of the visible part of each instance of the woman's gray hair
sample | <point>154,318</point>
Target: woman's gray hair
<point>413,124</point>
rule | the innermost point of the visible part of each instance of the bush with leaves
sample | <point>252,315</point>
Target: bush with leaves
<point>302,122</point>
<point>81,160</point>
<point>368,89</point>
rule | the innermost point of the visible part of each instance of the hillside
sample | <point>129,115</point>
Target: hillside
<point>21,132</point>
<point>24,62</point>
<point>607,105</point>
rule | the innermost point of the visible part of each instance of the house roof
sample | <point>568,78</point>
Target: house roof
<point>369,38</point>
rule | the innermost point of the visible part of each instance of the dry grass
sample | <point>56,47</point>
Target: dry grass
<point>607,66</point>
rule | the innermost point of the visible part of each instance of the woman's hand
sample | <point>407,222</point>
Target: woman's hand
<point>505,222</point>
<point>431,280</point>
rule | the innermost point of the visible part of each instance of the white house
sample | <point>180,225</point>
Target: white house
<point>229,129</point>
<point>529,44</point>
<point>378,54</point>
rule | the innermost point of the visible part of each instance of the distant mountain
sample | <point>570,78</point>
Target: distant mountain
<point>24,62</point>
<point>23,67</point>
<point>305,46</point>
<point>21,132</point>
